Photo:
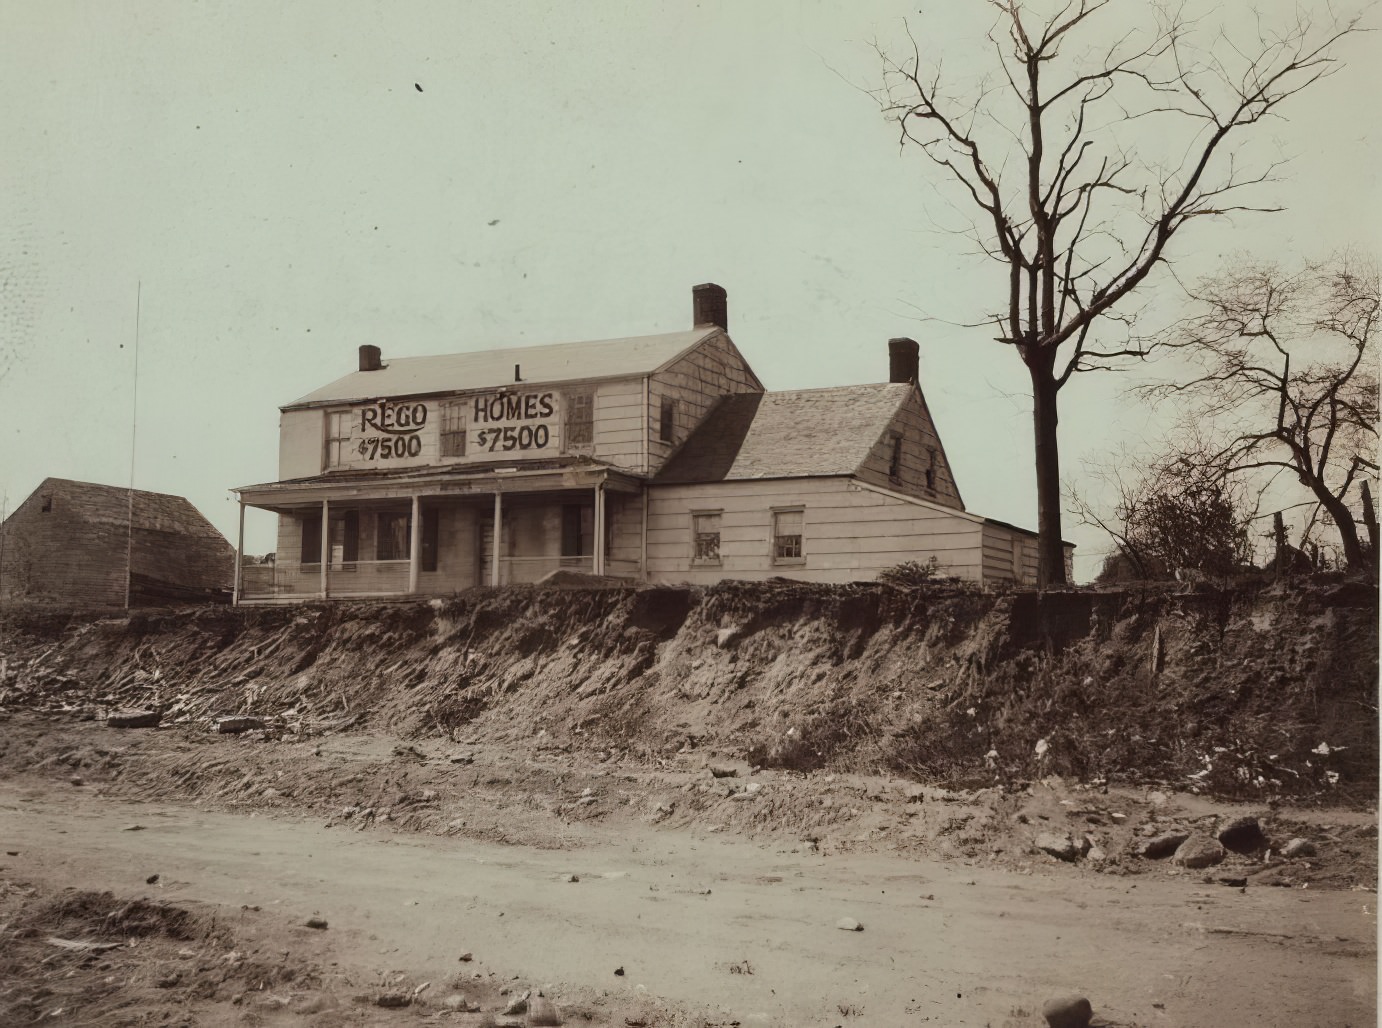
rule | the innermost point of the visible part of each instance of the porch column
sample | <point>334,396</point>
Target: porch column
<point>414,544</point>
<point>498,536</point>
<point>599,561</point>
<point>326,542</point>
<point>239,556</point>
<point>643,543</point>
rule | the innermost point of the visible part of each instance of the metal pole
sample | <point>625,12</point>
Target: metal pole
<point>239,557</point>
<point>134,433</point>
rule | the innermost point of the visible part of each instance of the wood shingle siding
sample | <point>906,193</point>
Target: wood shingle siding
<point>921,449</point>
<point>696,382</point>
<point>80,551</point>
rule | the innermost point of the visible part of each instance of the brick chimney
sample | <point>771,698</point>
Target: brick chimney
<point>370,358</point>
<point>903,360</point>
<point>709,306</point>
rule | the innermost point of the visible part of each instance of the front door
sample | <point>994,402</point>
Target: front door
<point>485,545</point>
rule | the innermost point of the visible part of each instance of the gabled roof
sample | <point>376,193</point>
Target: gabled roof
<point>793,434</point>
<point>95,504</point>
<point>489,369</point>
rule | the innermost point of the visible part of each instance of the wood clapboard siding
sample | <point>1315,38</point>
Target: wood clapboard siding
<point>919,441</point>
<point>619,423</point>
<point>849,533</point>
<point>301,438</point>
<point>998,554</point>
<point>715,368</point>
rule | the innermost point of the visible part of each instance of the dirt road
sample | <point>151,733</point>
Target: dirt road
<point>722,930</point>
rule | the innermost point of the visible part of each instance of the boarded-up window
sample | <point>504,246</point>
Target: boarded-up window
<point>453,429</point>
<point>705,537</point>
<point>895,461</point>
<point>580,419</point>
<point>787,531</point>
<point>337,437</point>
<point>667,423</point>
<point>392,542</point>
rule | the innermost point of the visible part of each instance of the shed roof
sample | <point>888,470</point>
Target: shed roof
<point>94,503</point>
<point>792,434</point>
<point>488,369</point>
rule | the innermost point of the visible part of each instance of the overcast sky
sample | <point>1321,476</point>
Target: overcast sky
<point>272,180</point>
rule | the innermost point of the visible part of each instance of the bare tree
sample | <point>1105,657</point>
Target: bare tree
<point>1286,364</point>
<point>1170,513</point>
<point>1081,163</point>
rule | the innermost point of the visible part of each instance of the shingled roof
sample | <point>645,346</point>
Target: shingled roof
<point>488,369</point>
<point>802,433</point>
<point>110,505</point>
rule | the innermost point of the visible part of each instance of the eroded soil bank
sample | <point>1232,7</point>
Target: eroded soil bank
<point>696,787</point>
<point>1244,695</point>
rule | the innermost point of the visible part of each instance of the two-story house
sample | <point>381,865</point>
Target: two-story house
<point>655,458</point>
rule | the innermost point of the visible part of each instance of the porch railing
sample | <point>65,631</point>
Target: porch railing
<point>290,579</point>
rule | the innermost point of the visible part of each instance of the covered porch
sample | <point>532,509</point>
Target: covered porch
<point>436,534</point>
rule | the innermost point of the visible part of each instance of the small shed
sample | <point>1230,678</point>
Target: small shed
<point>80,544</point>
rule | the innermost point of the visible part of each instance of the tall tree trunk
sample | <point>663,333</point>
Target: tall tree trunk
<point>1348,531</point>
<point>1044,394</point>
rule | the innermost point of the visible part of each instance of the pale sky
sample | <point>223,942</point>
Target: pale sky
<point>270,179</point>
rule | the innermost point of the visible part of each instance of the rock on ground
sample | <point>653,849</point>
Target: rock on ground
<point>1163,845</point>
<point>1067,1012</point>
<point>1199,850</point>
<point>1062,847</point>
<point>1298,848</point>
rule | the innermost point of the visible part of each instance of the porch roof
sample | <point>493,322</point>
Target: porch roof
<point>457,481</point>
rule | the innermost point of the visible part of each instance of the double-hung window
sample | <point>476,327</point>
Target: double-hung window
<point>705,537</point>
<point>338,425</point>
<point>788,523</point>
<point>453,429</point>
<point>580,420</point>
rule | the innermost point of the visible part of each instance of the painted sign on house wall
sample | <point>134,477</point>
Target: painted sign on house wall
<point>521,424</point>
<point>384,434</point>
<point>470,429</point>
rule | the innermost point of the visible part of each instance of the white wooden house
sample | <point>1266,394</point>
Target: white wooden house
<point>656,458</point>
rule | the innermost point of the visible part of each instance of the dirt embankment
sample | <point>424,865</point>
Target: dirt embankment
<point>1236,695</point>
